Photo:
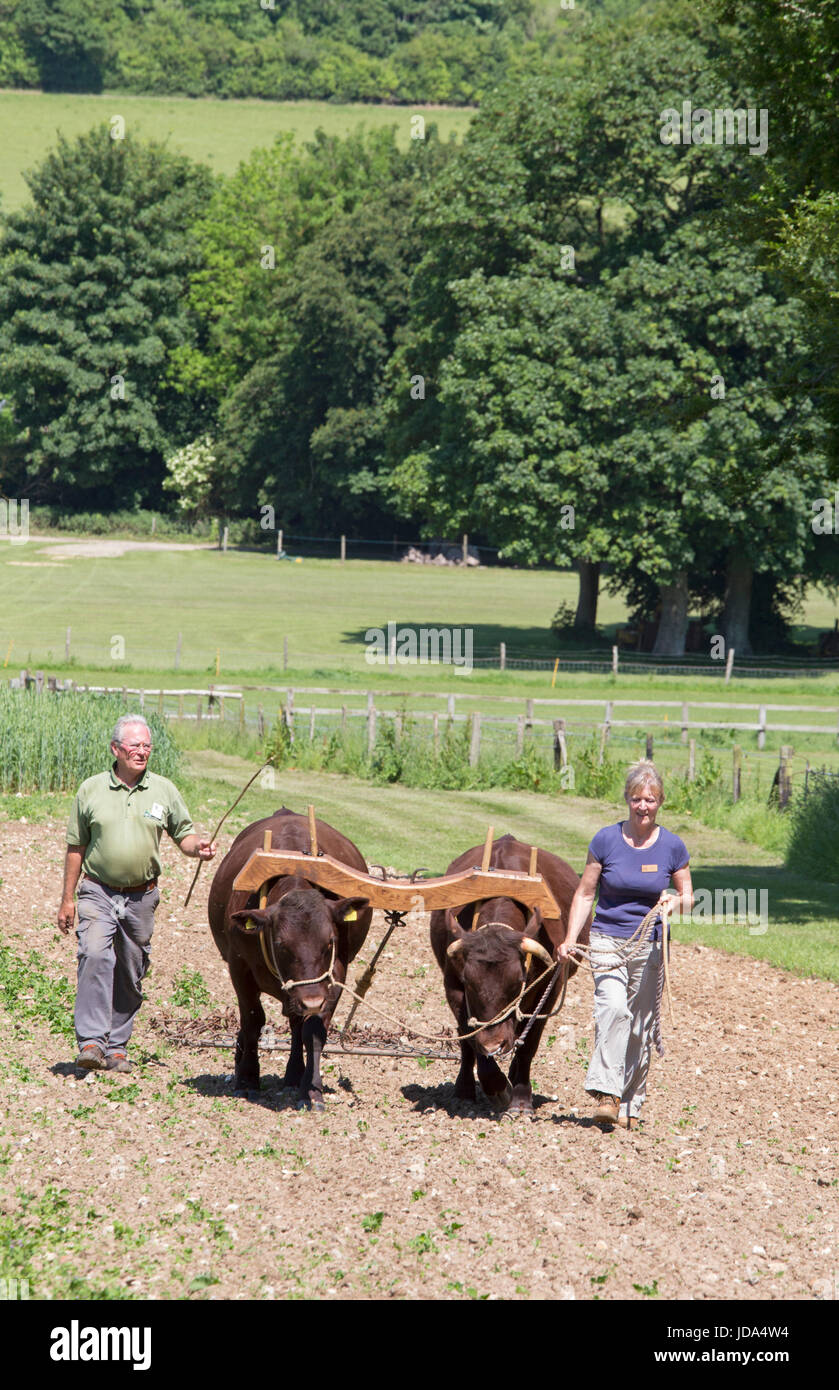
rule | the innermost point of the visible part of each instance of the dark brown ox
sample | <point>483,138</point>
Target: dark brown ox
<point>485,970</point>
<point>308,935</point>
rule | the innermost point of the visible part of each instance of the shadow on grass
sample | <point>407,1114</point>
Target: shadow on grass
<point>793,898</point>
<point>795,928</point>
<point>533,642</point>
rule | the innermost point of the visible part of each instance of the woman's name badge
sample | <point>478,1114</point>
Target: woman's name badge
<point>649,868</point>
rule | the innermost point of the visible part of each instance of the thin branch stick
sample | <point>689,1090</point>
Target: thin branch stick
<point>223,819</point>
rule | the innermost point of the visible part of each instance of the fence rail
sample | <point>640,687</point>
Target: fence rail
<point>489,732</point>
<point>567,718</point>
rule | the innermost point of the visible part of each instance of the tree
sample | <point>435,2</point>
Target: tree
<point>561,180</point>
<point>790,49</point>
<point>572,315</point>
<point>66,38</point>
<point>192,474</point>
<point>302,285</point>
<point>93,276</point>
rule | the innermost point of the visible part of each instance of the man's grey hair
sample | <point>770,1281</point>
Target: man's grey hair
<point>124,722</point>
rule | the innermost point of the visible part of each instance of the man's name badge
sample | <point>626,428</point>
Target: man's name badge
<point>649,868</point>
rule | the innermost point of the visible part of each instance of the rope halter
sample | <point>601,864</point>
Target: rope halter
<point>530,948</point>
<point>270,958</point>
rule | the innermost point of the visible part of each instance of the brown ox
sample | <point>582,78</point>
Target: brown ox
<point>289,949</point>
<point>484,972</point>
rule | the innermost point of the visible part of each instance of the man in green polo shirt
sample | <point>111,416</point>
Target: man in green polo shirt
<point>113,835</point>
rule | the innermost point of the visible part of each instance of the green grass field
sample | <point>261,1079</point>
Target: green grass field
<point>239,607</point>
<point>218,133</point>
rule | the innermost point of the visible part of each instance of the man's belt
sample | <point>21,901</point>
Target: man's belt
<point>135,888</point>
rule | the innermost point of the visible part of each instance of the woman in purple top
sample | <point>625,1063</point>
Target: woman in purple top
<point>634,863</point>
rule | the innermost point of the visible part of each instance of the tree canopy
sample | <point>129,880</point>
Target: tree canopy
<point>92,304</point>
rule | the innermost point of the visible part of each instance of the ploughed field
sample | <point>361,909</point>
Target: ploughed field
<point>160,1184</point>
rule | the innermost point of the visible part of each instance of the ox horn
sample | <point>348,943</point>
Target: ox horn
<point>528,946</point>
<point>455,946</point>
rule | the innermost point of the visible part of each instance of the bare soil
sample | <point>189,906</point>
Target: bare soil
<point>167,1187</point>
<point>98,548</point>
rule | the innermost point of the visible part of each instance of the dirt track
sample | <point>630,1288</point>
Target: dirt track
<point>174,1189</point>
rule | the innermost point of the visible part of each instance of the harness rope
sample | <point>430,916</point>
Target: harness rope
<point>633,947</point>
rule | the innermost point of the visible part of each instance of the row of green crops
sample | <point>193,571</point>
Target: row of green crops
<point>52,742</point>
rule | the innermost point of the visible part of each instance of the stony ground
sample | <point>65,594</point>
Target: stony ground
<point>161,1185</point>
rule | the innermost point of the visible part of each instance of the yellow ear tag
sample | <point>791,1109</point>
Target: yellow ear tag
<point>250,925</point>
<point>351,916</point>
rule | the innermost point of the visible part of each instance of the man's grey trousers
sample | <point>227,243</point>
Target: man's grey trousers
<point>624,1010</point>
<point>114,934</point>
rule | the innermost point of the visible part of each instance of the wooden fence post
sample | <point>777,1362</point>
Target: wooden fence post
<point>784,777</point>
<point>692,760</point>
<point>312,724</point>
<point>242,714</point>
<point>391,650</point>
<point>465,547</point>
<point>529,717</point>
<point>343,549</point>
<point>519,734</point>
<point>736,770</point>
<point>615,662</point>
<point>761,733</point>
<point>560,748</point>
<point>451,700</point>
<point>729,663</point>
<point>279,544</point>
<point>502,660</point>
<point>649,752</point>
<point>475,741</point>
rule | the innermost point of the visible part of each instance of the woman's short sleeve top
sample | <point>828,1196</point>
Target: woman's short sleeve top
<point>632,880</point>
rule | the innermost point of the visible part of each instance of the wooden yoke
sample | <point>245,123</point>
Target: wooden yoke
<point>450,890</point>
<point>266,845</point>
<point>485,861</point>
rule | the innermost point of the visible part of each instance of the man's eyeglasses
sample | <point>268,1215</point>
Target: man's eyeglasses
<point>137,747</point>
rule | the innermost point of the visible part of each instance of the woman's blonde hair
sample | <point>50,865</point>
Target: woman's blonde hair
<point>639,775</point>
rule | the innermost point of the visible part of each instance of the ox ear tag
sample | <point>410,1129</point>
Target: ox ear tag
<point>250,925</point>
<point>351,916</point>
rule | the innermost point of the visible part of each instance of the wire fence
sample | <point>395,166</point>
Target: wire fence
<point>190,652</point>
